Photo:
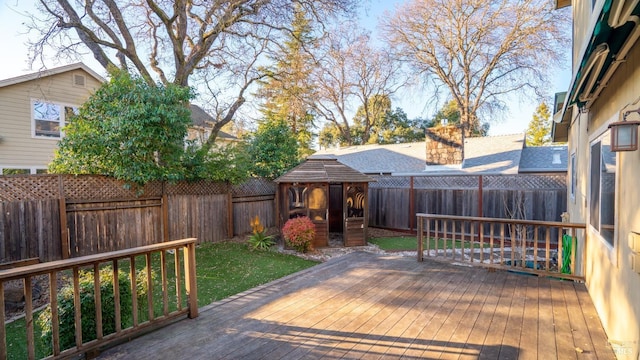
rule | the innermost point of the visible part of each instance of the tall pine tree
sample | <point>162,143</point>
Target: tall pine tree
<point>539,131</point>
<point>287,90</point>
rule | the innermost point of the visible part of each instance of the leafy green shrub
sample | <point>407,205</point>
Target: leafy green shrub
<point>258,239</point>
<point>87,303</point>
<point>299,233</point>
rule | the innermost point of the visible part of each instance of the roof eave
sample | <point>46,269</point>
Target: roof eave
<point>50,72</point>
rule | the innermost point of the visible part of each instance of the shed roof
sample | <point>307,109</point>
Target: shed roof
<point>323,170</point>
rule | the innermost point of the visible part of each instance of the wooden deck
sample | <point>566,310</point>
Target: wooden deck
<point>371,306</point>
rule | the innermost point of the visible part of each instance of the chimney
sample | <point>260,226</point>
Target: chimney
<point>444,145</point>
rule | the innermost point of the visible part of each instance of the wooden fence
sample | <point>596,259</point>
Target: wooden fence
<point>394,200</point>
<point>52,217</point>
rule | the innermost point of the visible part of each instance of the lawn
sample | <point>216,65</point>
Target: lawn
<point>222,269</point>
<point>410,243</point>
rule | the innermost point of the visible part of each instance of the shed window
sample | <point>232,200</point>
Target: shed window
<point>602,189</point>
<point>49,118</point>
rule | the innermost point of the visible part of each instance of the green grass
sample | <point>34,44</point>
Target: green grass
<point>222,270</point>
<point>410,243</point>
<point>229,268</point>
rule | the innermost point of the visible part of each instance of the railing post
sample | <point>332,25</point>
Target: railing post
<point>190,279</point>
<point>3,335</point>
<point>420,237</point>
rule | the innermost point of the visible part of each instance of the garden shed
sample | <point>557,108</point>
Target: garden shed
<point>333,195</point>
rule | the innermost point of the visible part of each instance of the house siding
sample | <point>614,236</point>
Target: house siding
<point>613,284</point>
<point>18,148</point>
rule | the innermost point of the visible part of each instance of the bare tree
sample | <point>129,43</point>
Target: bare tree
<point>480,50</point>
<point>216,44</point>
<point>351,73</point>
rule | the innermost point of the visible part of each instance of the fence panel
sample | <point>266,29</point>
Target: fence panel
<point>389,208</point>
<point>533,197</point>
<point>96,227</point>
<point>204,217</point>
<point>246,208</point>
<point>29,229</point>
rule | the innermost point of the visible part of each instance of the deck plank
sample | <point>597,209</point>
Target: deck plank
<point>598,338</point>
<point>406,330</point>
<point>579,329</point>
<point>546,325</point>
<point>510,345</point>
<point>529,334</point>
<point>563,335</point>
<point>370,306</point>
<point>480,328</point>
<point>495,332</point>
<point>440,345</point>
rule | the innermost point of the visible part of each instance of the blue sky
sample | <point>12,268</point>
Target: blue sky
<point>14,63</point>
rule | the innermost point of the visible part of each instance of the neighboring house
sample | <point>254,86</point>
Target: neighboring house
<point>202,124</point>
<point>504,154</point>
<point>604,186</point>
<point>33,109</point>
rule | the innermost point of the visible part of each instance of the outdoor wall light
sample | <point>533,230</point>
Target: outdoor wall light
<point>624,134</point>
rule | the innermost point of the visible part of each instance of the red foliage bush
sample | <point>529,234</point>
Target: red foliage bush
<point>299,233</point>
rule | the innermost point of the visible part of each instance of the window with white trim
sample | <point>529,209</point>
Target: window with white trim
<point>603,187</point>
<point>49,118</point>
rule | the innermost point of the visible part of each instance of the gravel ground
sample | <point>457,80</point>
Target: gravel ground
<point>336,249</point>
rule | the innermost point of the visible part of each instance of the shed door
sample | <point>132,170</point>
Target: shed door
<point>355,214</point>
<point>318,206</point>
<point>335,208</point>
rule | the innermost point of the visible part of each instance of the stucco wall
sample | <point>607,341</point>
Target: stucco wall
<point>613,285</point>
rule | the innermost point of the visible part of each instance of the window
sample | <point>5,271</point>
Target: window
<point>49,118</point>
<point>15,171</point>
<point>574,180</point>
<point>603,179</point>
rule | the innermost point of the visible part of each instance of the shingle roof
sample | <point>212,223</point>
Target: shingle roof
<point>489,154</point>
<point>544,159</point>
<point>201,118</point>
<point>377,159</point>
<point>496,154</point>
<point>323,170</point>
<point>49,72</point>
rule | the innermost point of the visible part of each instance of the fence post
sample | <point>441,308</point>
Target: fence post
<point>230,214</point>
<point>165,216</point>
<point>3,334</point>
<point>480,186</point>
<point>190,279</point>
<point>420,235</point>
<point>64,231</point>
<point>412,211</point>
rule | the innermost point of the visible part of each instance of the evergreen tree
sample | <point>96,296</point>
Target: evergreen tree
<point>539,131</point>
<point>273,149</point>
<point>129,130</point>
<point>287,90</point>
<point>450,115</point>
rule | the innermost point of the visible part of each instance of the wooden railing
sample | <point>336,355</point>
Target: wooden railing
<point>118,265</point>
<point>538,247</point>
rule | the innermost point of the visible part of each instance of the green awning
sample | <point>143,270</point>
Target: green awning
<point>610,34</point>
